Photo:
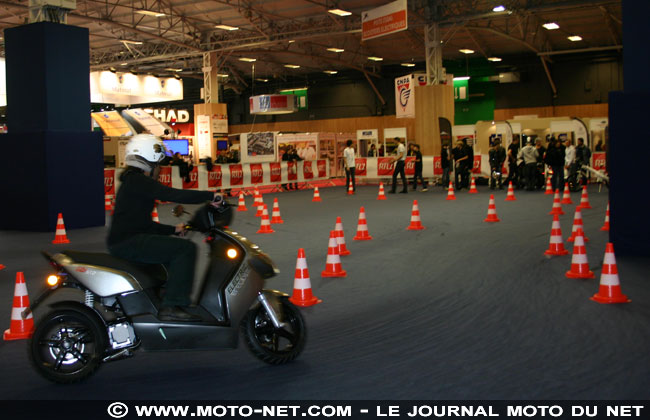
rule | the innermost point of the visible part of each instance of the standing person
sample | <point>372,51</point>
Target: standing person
<point>373,151</point>
<point>399,161</point>
<point>460,164</point>
<point>445,164</point>
<point>469,150</point>
<point>583,154</point>
<point>529,156</point>
<point>541,154</point>
<point>497,156</point>
<point>418,169</point>
<point>350,166</point>
<point>134,236</point>
<point>570,160</point>
<point>555,159</point>
<point>513,173</point>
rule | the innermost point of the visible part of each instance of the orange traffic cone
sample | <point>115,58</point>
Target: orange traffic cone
<point>606,225</point>
<point>241,206</point>
<point>450,192</point>
<point>316,195</point>
<point>362,227</point>
<point>610,287</point>
<point>340,237</point>
<point>577,224</point>
<point>492,211</point>
<point>511,193</point>
<point>20,328</point>
<point>472,187</point>
<point>416,224</point>
<point>333,266</point>
<point>556,244</point>
<point>107,202</point>
<point>350,188</point>
<point>549,188</point>
<point>2,267</point>
<point>584,199</point>
<point>381,195</point>
<point>154,214</point>
<point>557,206</point>
<point>566,197</point>
<point>60,236</point>
<point>579,263</point>
<point>275,216</point>
<point>258,203</point>
<point>302,294</point>
<point>265,227</point>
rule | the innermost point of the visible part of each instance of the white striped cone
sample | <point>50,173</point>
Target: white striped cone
<point>60,235</point>
<point>362,227</point>
<point>472,187</point>
<point>492,211</point>
<point>265,226</point>
<point>556,244</point>
<point>610,287</point>
<point>257,198</point>
<point>241,205</point>
<point>275,216</point>
<point>382,194</point>
<point>20,328</point>
<point>350,188</point>
<point>154,214</point>
<point>511,193</point>
<point>579,263</point>
<point>566,197</point>
<point>450,192</point>
<point>340,237</point>
<point>259,204</point>
<point>577,224</point>
<point>549,188</point>
<point>316,195</point>
<point>584,199</point>
<point>333,266</point>
<point>557,205</point>
<point>416,223</point>
<point>606,225</point>
<point>107,202</point>
<point>302,293</point>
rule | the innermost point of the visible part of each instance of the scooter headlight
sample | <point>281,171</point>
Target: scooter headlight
<point>52,280</point>
<point>232,253</point>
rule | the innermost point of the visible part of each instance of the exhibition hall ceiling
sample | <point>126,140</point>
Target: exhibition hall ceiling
<point>168,37</point>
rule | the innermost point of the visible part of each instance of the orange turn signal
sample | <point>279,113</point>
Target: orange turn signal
<point>52,280</point>
<point>232,253</point>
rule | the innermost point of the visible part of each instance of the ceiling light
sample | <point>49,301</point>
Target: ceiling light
<point>575,38</point>
<point>339,12</point>
<point>336,50</point>
<point>551,25</point>
<point>128,41</point>
<point>124,64</point>
<point>150,13</point>
<point>330,71</point>
<point>262,80</point>
<point>173,69</point>
<point>292,66</point>
<point>248,60</point>
<point>375,58</point>
<point>499,8</point>
<point>466,51</point>
<point>291,41</point>
<point>461,78</point>
<point>226,27</point>
<point>408,64</point>
<point>294,89</point>
<point>494,59</point>
<point>222,75</point>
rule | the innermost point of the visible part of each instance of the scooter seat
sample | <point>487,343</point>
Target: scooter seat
<point>147,275</point>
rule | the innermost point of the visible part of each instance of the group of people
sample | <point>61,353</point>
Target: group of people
<point>460,159</point>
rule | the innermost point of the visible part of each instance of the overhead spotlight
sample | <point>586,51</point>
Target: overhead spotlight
<point>262,80</point>
<point>226,27</point>
<point>494,59</point>
<point>466,51</point>
<point>128,41</point>
<point>575,38</point>
<point>292,66</point>
<point>173,69</point>
<point>339,12</point>
<point>408,64</point>
<point>150,13</point>
<point>462,78</point>
<point>336,50</point>
<point>375,59</point>
<point>499,8</point>
<point>222,75</point>
<point>330,71</point>
<point>112,69</point>
<point>124,64</point>
<point>551,26</point>
<point>291,41</point>
<point>248,60</point>
<point>176,76</point>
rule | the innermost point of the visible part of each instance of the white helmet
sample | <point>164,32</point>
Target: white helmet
<point>144,151</point>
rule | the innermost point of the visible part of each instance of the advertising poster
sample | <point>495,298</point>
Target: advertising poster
<point>109,182</point>
<point>322,168</point>
<point>219,123</point>
<point>409,166</point>
<point>405,94</point>
<point>385,166</point>
<point>305,145</point>
<point>121,152</point>
<point>112,124</point>
<point>599,161</point>
<point>138,117</point>
<point>308,170</point>
<point>361,167</point>
<point>258,147</point>
<point>437,165</point>
<point>214,177</point>
<point>292,171</point>
<point>476,169</point>
<point>384,20</point>
<point>236,175</point>
<point>165,176</point>
<point>257,173</point>
<point>203,135</point>
<point>194,179</point>
<point>276,172</point>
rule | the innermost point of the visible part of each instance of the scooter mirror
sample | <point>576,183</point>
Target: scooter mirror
<point>178,210</point>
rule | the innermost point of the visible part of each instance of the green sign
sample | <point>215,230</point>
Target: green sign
<point>301,97</point>
<point>461,90</point>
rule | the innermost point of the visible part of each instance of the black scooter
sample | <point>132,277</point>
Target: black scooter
<point>114,311</point>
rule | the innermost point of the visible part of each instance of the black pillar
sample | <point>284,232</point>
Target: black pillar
<point>629,147</point>
<point>53,162</point>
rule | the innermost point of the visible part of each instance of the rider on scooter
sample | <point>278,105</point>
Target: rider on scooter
<point>134,236</point>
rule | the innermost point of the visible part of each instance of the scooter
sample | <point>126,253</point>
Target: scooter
<point>114,310</point>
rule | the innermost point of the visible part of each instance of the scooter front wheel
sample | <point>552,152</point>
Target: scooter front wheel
<point>273,345</point>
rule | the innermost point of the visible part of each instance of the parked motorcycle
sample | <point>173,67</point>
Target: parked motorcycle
<point>117,307</point>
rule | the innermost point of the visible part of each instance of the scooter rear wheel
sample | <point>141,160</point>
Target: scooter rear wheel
<point>272,345</point>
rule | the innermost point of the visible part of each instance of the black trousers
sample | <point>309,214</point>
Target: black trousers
<point>177,254</point>
<point>557,180</point>
<point>399,169</point>
<point>418,174</point>
<point>349,174</point>
<point>462,176</point>
<point>530,171</point>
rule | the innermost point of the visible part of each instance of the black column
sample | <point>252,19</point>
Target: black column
<point>52,161</point>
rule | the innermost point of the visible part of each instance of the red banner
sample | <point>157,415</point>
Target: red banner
<point>600,161</point>
<point>109,181</point>
<point>236,175</point>
<point>409,166</point>
<point>276,171</point>
<point>361,167</point>
<point>257,173</point>
<point>165,176</point>
<point>292,171</point>
<point>476,169</point>
<point>214,177</point>
<point>194,179</point>
<point>385,166</point>
<point>322,168</point>
<point>307,169</point>
<point>437,165</point>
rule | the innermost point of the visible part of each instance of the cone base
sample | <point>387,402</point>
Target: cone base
<point>510,199</point>
<point>588,275</point>
<point>584,206</point>
<point>613,299</point>
<point>559,213</point>
<point>549,192</point>
<point>341,273</point>
<point>453,197</point>
<point>242,209</point>
<point>557,252</point>
<point>2,267</point>
<point>8,335</point>
<point>268,230</point>
<point>573,238</point>
<point>492,219</point>
<point>61,241</point>
<point>566,202</point>
<point>362,238</point>
<point>316,200</point>
<point>473,191</point>
<point>306,302</point>
<point>346,252</point>
<point>277,222</point>
<point>420,227</point>
<point>381,197</point>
